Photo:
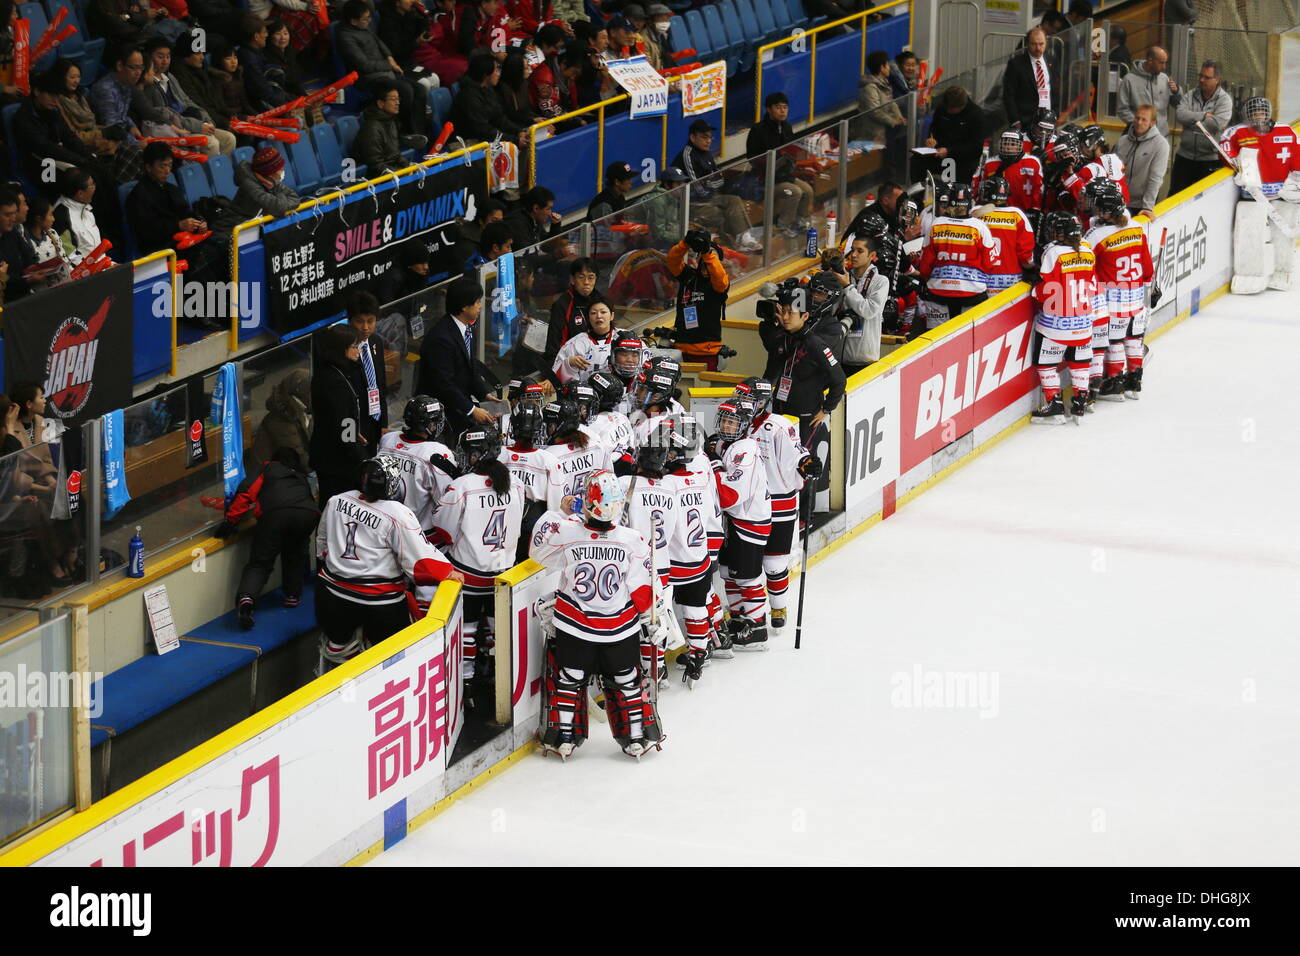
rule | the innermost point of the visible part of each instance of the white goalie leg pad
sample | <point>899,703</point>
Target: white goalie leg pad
<point>1283,245</point>
<point>1248,169</point>
<point>1252,249</point>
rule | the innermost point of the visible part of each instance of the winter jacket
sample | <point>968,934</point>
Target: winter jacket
<point>876,98</point>
<point>702,289</point>
<point>154,211</point>
<point>1145,161</point>
<point>702,168</point>
<point>478,115</point>
<point>1138,87</point>
<point>339,411</point>
<point>1193,144</point>
<point>263,78</point>
<point>378,145</point>
<point>253,198</point>
<point>816,376</point>
<point>201,89</point>
<point>150,104</point>
<point>44,134</point>
<point>862,316</point>
<point>401,32</point>
<point>272,487</point>
<point>287,423</point>
<point>962,134</point>
<point>363,51</point>
<point>233,95</point>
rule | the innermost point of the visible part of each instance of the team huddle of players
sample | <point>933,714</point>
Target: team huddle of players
<point>613,486</point>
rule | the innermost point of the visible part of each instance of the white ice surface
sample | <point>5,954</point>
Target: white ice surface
<point>1132,584</point>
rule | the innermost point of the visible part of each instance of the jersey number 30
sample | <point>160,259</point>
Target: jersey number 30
<point>589,583</point>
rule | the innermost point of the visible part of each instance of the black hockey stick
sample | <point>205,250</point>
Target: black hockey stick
<point>803,572</point>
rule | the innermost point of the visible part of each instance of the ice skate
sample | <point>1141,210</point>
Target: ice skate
<point>1133,385</point>
<point>1049,413</point>
<point>1079,406</point>
<point>748,636</point>
<point>1112,389</point>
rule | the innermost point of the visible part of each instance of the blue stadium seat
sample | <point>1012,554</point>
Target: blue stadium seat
<point>798,15</point>
<point>347,128</point>
<point>749,23</point>
<point>34,13</point>
<point>328,153</point>
<point>243,154</point>
<point>440,103</point>
<point>736,35</point>
<point>307,173</point>
<point>785,21</point>
<point>722,44</point>
<point>767,22</point>
<point>194,184</point>
<point>221,174</point>
<point>680,36</point>
<point>123,191</point>
<point>700,38</point>
<point>353,97</point>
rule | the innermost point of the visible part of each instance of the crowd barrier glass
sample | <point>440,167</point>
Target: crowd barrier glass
<point>403,324</point>
<point>276,401</point>
<point>631,251</point>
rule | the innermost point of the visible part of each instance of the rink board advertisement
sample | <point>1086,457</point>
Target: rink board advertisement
<point>526,645</point>
<point>318,785</point>
<point>1198,249</point>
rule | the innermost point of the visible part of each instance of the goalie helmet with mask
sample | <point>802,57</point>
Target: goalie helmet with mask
<point>475,445</point>
<point>380,480</point>
<point>995,191</point>
<point>757,390</point>
<point>626,357</point>
<point>1063,227</point>
<point>1258,114</point>
<point>1011,146</point>
<point>1043,127</point>
<point>1103,198</point>
<point>608,388</point>
<point>953,200</point>
<point>603,497</point>
<point>583,396</point>
<point>424,415</point>
<point>734,418</point>
<point>527,428</point>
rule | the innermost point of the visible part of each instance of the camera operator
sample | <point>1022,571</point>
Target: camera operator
<point>866,292</point>
<point>702,286</point>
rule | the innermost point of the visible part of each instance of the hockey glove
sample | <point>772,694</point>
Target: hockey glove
<point>225,530</point>
<point>1030,275</point>
<point>1156,295</point>
<point>711,448</point>
<point>810,466</point>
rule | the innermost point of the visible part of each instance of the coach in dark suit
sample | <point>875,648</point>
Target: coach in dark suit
<point>447,369</point>
<point>1021,95</point>
<point>363,315</point>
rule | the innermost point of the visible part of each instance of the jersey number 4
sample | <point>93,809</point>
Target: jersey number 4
<point>494,535</point>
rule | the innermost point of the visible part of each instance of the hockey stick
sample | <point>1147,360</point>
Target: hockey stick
<point>803,571</point>
<point>1254,192</point>
<point>1156,291</point>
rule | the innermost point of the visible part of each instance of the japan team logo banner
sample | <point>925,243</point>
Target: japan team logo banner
<point>640,80</point>
<point>705,89</point>
<point>76,340</point>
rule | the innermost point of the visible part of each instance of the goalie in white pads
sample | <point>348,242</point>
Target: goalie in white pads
<point>602,604</point>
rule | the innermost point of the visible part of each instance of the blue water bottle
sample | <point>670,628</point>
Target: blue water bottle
<point>811,252</point>
<point>135,556</point>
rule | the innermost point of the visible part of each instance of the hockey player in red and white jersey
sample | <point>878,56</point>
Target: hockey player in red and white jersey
<point>742,490</point>
<point>608,424</point>
<point>626,359</point>
<point>1022,170</point>
<point>589,350</point>
<point>954,258</point>
<point>1267,157</point>
<point>692,565</point>
<point>425,466</point>
<point>1064,295</point>
<point>1097,163</point>
<point>656,397</point>
<point>1013,236</point>
<point>715,535</point>
<point>532,469</point>
<point>577,455</point>
<point>1125,271</point>
<point>602,606</point>
<point>370,548</point>
<point>478,523</point>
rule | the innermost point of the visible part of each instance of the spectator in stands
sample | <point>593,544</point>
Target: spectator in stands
<point>448,370</point>
<point>904,71</point>
<point>469,232</point>
<point>619,180</point>
<point>407,276</point>
<point>264,82</point>
<point>662,208</point>
<point>260,189</point>
<point>439,52</point>
<point>278,495</point>
<point>228,82</point>
<point>1146,157</point>
<point>9,93</point>
<point>402,26</point>
<point>477,112</point>
<point>40,128</point>
<point>16,253</point>
<point>378,144</point>
<point>957,132</point>
<point>200,87</point>
<point>1210,104</point>
<point>299,19</point>
<point>1079,11</point>
<point>74,217</point>
<point>495,242</point>
<point>112,93</point>
<point>484,27</point>
<point>107,145</point>
<point>44,240</point>
<point>1148,82</point>
<point>287,423</point>
<point>553,87</point>
<point>156,209</point>
<point>661,21</point>
<point>512,89</point>
<point>830,9</point>
<point>120,22</point>
<point>884,121</point>
<point>282,56</point>
<point>1029,82</point>
<point>363,315</point>
<point>719,211</point>
<point>1119,51</point>
<point>164,109</point>
<point>343,433</point>
<point>373,62</point>
<point>793,196</point>
<point>625,42</point>
<point>569,310</point>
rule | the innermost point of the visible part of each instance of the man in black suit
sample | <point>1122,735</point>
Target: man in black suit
<point>363,315</point>
<point>447,368</point>
<point>1030,81</point>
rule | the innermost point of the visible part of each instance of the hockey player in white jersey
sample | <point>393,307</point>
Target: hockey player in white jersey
<point>691,573</point>
<point>478,523</point>
<point>742,491</point>
<point>370,548</point>
<point>425,466</point>
<point>577,455</point>
<point>656,397</point>
<point>602,605</point>
<point>626,358</point>
<point>688,426</point>
<point>608,424</point>
<point>786,463</point>
<point>532,469</point>
<point>588,351</point>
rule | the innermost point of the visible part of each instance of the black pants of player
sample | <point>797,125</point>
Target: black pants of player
<point>339,618</point>
<point>594,658</point>
<point>283,534</point>
<point>1187,172</point>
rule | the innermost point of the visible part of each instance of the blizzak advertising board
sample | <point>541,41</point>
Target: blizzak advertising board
<point>314,787</point>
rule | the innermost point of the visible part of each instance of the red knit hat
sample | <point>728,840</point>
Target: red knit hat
<point>267,161</point>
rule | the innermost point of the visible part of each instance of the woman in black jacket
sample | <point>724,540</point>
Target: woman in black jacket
<point>343,432</point>
<point>957,133</point>
<point>569,312</point>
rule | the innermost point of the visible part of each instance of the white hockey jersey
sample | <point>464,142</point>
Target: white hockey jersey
<point>643,424</point>
<point>651,508</point>
<point>688,550</point>
<point>604,583</point>
<point>422,484</point>
<point>594,350</point>
<point>614,430</point>
<point>713,525</point>
<point>368,549</point>
<point>482,527</point>
<point>534,470</point>
<point>574,466</point>
<point>781,452</point>
<point>742,490</point>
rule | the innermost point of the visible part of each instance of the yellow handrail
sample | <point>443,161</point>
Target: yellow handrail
<point>598,108</point>
<point>812,78</point>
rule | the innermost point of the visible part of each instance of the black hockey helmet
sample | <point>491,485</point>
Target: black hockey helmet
<point>658,381</point>
<point>1258,114</point>
<point>687,426</point>
<point>954,200</point>
<point>734,417</point>
<point>873,226</point>
<point>424,415</point>
<point>1011,146</point>
<point>1092,138</point>
<point>824,294</point>
<point>476,445</point>
<point>379,479</point>
<point>1074,129</point>
<point>680,450</point>
<point>626,356</point>
<point>1104,198</point>
<point>757,390</point>
<point>1061,226</point>
<point>1044,123</point>
<point>562,418</point>
<point>1064,148</point>
<point>527,427</point>
<point>995,190</point>
<point>583,397</point>
<point>608,388</point>
<point>652,454</point>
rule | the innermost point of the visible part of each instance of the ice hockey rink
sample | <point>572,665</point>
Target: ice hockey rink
<point>1080,648</point>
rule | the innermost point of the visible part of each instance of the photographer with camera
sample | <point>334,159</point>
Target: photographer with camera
<point>702,286</point>
<point>862,309</point>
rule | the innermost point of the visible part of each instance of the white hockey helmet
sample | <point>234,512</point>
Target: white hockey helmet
<point>603,499</point>
<point>1258,114</point>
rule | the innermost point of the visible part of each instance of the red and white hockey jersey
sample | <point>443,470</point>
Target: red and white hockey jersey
<point>696,500</point>
<point>1013,246</point>
<point>1024,176</point>
<point>713,526</point>
<point>651,509</point>
<point>604,583</point>
<point>1279,153</point>
<point>781,451</point>
<point>1109,166</point>
<point>573,466</point>
<point>1124,267</point>
<point>422,484</point>
<point>614,430</point>
<point>742,490</point>
<point>1065,292</point>
<point>955,256</point>
<point>481,528</point>
<point>369,549</point>
<point>534,470</point>
<point>595,349</point>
